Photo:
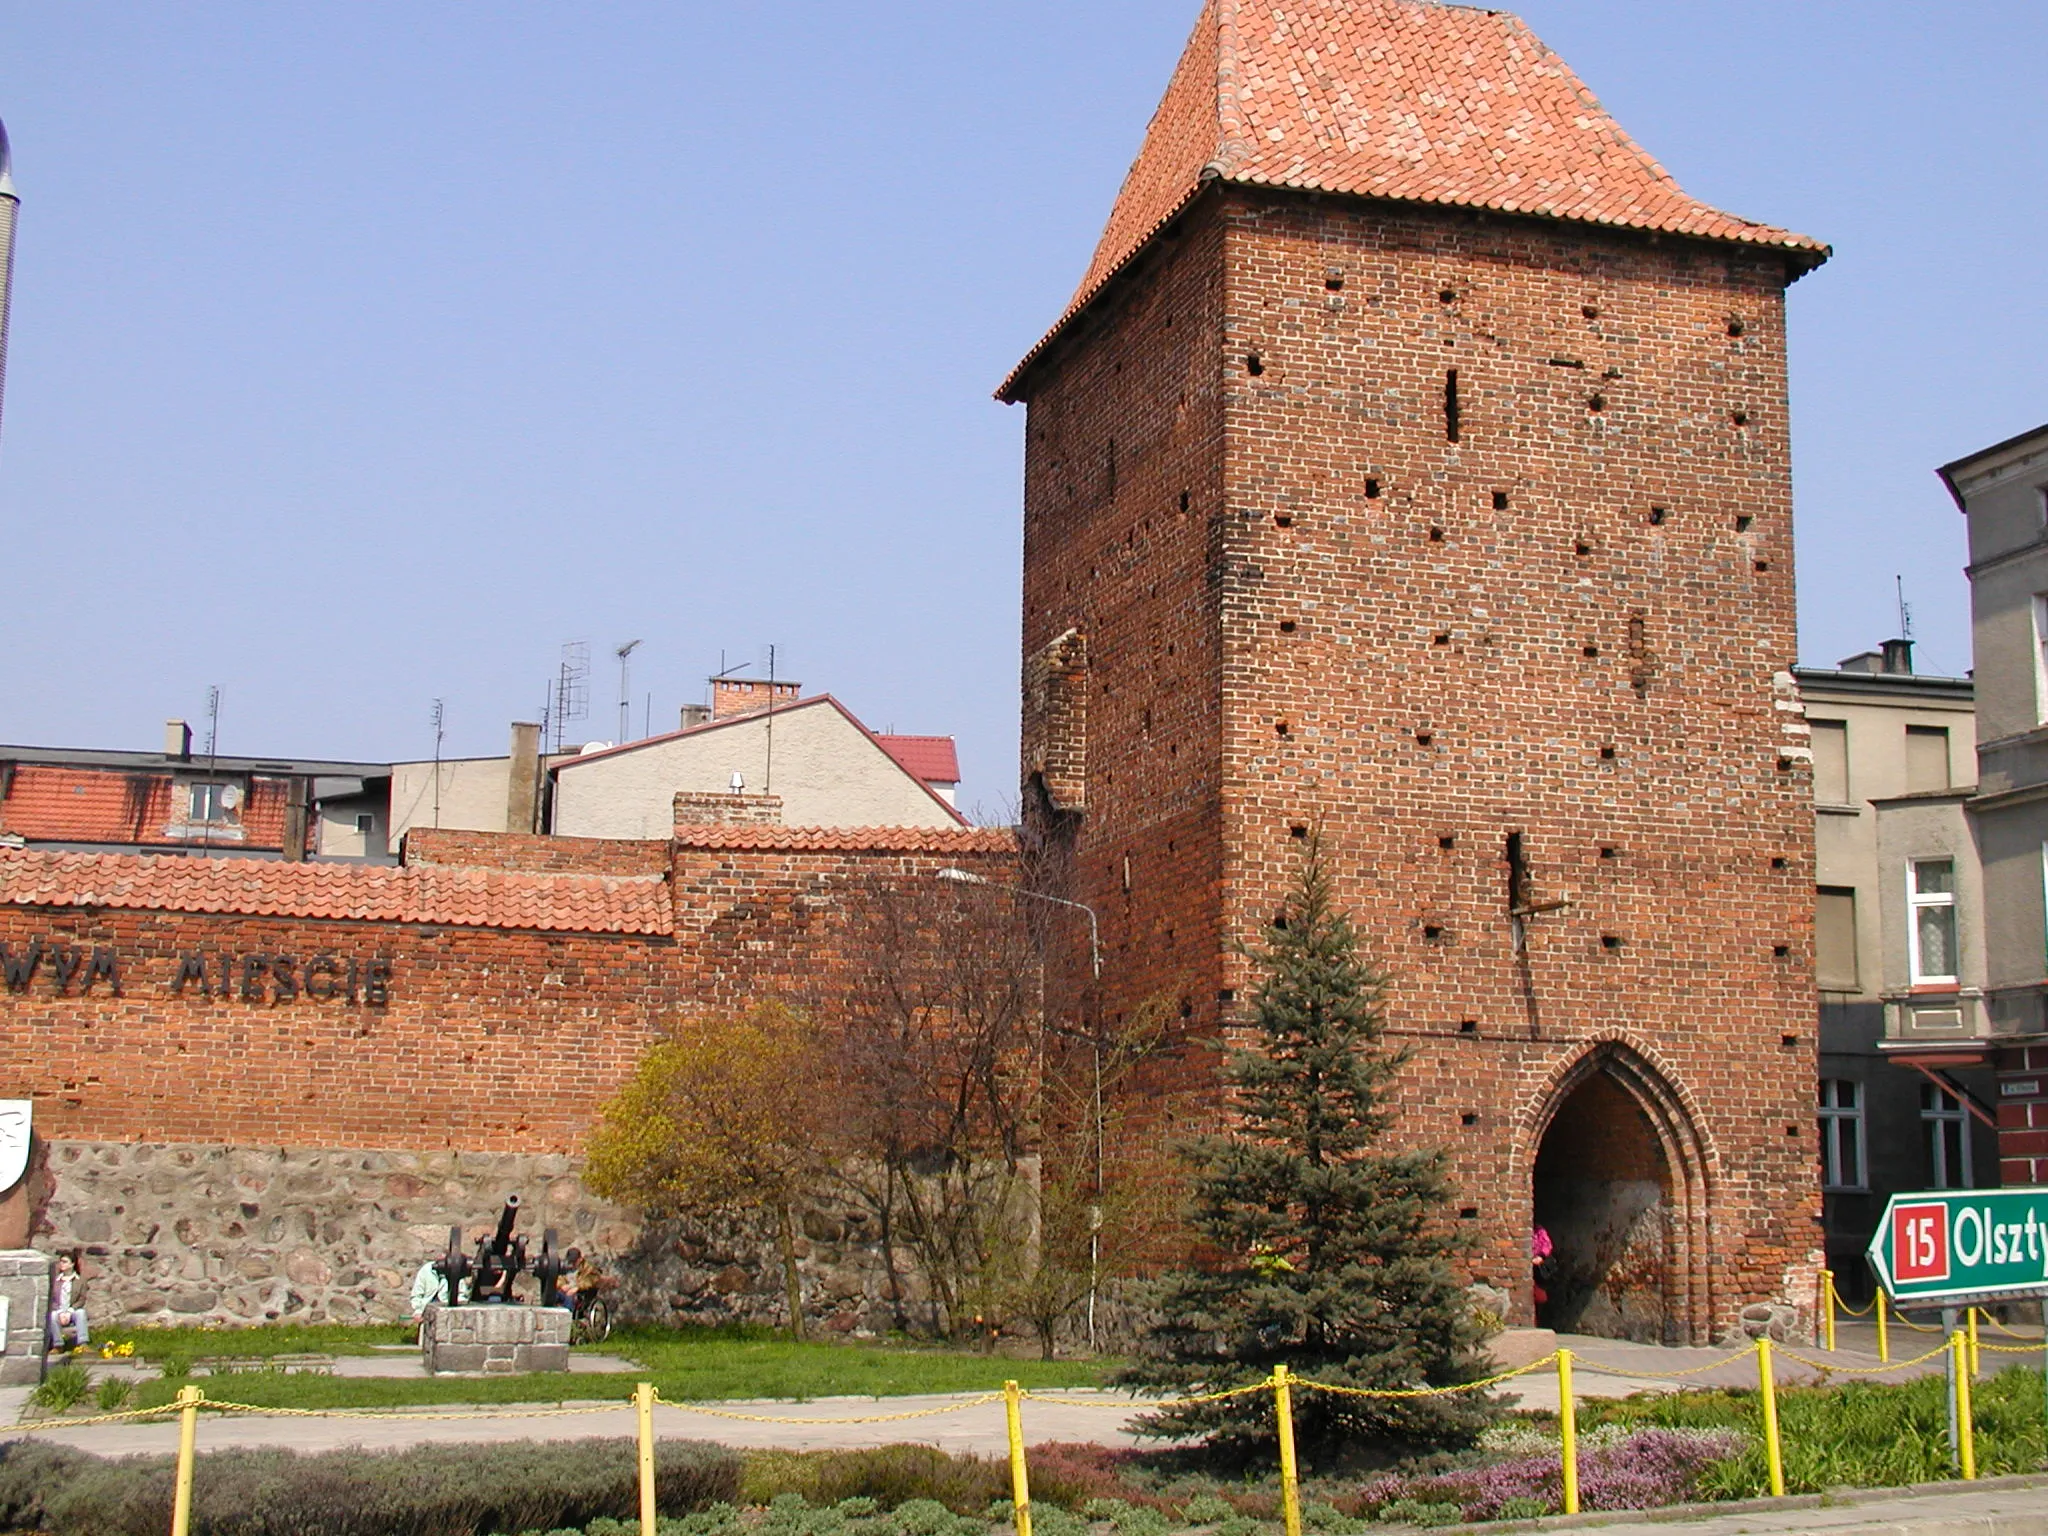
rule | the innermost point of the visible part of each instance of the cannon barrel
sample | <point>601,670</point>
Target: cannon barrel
<point>505,1219</point>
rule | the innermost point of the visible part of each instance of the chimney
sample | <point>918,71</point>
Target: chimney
<point>10,205</point>
<point>297,794</point>
<point>737,809</point>
<point>695,715</point>
<point>1898,657</point>
<point>178,740</point>
<point>744,695</point>
<point>522,779</point>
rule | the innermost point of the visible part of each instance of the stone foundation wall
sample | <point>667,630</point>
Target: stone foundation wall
<point>198,1234</point>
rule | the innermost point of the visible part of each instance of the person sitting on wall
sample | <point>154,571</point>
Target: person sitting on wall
<point>67,1304</point>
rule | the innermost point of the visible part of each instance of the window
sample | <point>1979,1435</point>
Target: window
<point>1947,1127</point>
<point>1831,762</point>
<point>2040,657</point>
<point>1834,938</point>
<point>1926,758</point>
<point>211,804</point>
<point>365,822</point>
<point>1841,1133</point>
<point>1932,897</point>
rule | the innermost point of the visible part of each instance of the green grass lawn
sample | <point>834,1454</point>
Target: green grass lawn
<point>684,1364</point>
<point>1858,1434</point>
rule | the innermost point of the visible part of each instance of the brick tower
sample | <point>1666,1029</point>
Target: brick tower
<point>1413,462</point>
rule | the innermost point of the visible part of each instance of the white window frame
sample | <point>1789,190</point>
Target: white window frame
<point>1915,903</point>
<point>206,804</point>
<point>1838,1120</point>
<point>1935,1118</point>
<point>2040,606</point>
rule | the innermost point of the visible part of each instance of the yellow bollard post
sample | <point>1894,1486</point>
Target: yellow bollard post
<point>1020,1478</point>
<point>1966,1429</point>
<point>1290,1477</point>
<point>1884,1344</point>
<point>643,1405</point>
<point>1827,1309</point>
<point>1976,1360</point>
<point>188,1430</point>
<point>1774,1452</point>
<point>1568,1431</point>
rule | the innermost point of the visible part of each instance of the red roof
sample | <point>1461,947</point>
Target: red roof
<point>946,840</point>
<point>465,897</point>
<point>61,803</point>
<point>1407,100</point>
<point>930,758</point>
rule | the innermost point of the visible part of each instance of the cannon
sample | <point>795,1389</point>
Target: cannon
<point>487,1274</point>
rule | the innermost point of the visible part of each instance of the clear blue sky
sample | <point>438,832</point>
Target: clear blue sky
<point>364,353</point>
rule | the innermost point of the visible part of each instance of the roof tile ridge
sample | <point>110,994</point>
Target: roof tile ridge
<point>1544,53</point>
<point>1233,142</point>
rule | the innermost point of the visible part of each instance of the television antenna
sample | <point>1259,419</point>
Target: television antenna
<point>572,686</point>
<point>439,717</point>
<point>625,692</point>
<point>1905,610</point>
<point>212,756</point>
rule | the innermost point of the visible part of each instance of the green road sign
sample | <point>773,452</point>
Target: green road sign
<point>1955,1245</point>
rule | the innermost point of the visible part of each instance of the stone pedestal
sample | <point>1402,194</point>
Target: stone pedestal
<point>497,1341</point>
<point>25,1303</point>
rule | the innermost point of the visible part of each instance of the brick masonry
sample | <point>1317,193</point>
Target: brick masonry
<point>1433,528</point>
<point>255,1150</point>
<point>2023,1116</point>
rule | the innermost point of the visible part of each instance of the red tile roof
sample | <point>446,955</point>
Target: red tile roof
<point>1407,100</point>
<point>457,896</point>
<point>934,759</point>
<point>942,840</point>
<point>62,803</point>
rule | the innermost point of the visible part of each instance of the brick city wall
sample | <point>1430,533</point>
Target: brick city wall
<point>1573,624</point>
<point>2023,1116</point>
<point>453,1049</point>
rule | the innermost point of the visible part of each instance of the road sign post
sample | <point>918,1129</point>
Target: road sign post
<point>1959,1247</point>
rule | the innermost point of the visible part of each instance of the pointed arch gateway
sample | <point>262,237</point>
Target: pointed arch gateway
<point>1619,1176</point>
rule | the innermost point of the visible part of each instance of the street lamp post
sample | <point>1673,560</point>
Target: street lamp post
<point>969,877</point>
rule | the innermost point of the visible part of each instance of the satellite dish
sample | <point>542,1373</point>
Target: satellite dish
<point>230,796</point>
<point>593,746</point>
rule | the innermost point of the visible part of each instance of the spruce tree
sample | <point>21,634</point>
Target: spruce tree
<point>1319,1248</point>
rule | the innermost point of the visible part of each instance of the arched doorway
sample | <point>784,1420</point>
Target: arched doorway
<point>1618,1187</point>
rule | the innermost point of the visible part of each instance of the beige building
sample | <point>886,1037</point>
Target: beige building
<point>473,794</point>
<point>2003,492</point>
<point>824,767</point>
<point>1898,946</point>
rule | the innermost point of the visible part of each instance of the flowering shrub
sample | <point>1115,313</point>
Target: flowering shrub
<point>1639,1471</point>
<point>117,1351</point>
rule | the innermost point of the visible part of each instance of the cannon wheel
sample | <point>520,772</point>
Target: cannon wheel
<point>455,1267</point>
<point>593,1324</point>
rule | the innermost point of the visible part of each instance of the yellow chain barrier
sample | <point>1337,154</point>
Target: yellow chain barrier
<point>407,1415</point>
<point>1173,1402</point>
<point>1397,1392</point>
<point>1696,1370</point>
<point>2013,1349</point>
<point>33,1426</point>
<point>865,1418</point>
<point>1859,1370</point>
<point>1995,1323</point>
<point>1846,1310</point>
